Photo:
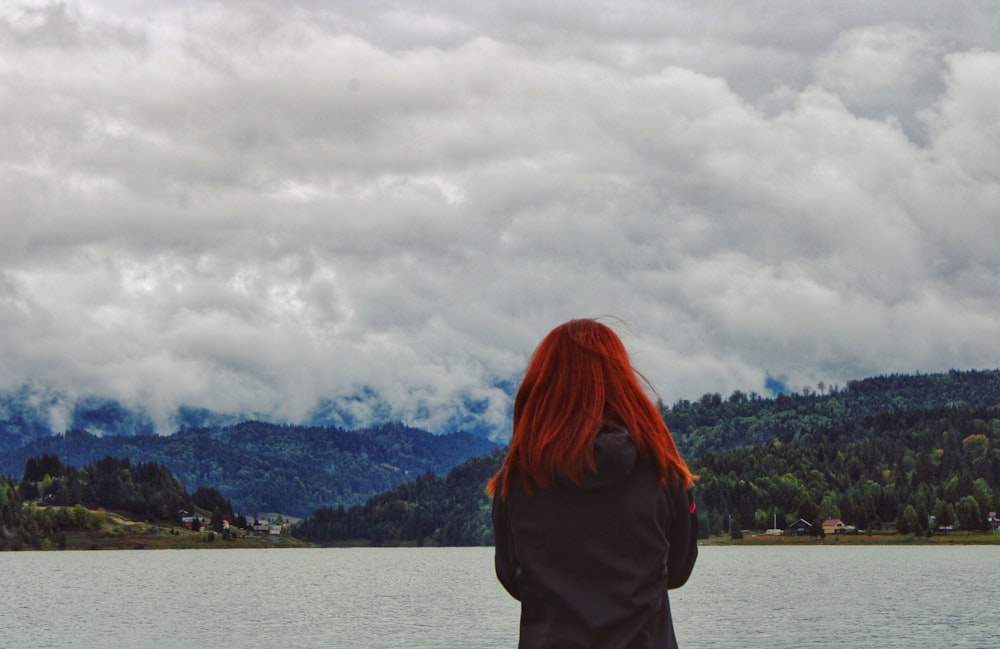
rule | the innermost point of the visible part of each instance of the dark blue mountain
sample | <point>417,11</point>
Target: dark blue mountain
<point>263,467</point>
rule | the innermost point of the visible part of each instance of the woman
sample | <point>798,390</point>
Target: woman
<point>592,511</point>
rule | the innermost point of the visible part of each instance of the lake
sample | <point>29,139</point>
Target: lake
<point>448,598</point>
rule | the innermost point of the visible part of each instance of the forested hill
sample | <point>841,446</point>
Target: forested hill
<point>431,510</point>
<point>713,423</point>
<point>264,467</point>
<point>889,451</point>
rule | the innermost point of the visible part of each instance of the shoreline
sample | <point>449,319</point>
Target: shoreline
<point>877,538</point>
<point>161,538</point>
<point>119,532</point>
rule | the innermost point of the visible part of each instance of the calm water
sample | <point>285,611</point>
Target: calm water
<point>447,598</point>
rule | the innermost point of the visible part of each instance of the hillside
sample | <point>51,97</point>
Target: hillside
<point>713,424</point>
<point>449,510</point>
<point>881,452</point>
<point>114,503</point>
<point>887,452</point>
<point>263,467</point>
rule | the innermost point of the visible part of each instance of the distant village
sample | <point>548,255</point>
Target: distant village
<point>261,525</point>
<point>836,526</point>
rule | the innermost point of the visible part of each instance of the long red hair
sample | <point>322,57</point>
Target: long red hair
<point>579,381</point>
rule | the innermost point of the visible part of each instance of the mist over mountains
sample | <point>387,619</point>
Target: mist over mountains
<point>880,452</point>
<point>31,412</point>
<point>295,469</point>
<point>336,456</point>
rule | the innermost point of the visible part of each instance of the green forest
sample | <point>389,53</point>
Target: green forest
<point>54,498</point>
<point>886,452</point>
<point>910,453</point>
<point>893,469</point>
<point>441,511</point>
<point>269,468</point>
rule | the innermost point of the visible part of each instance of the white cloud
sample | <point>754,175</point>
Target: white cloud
<point>245,207</point>
<point>876,59</point>
<point>966,127</point>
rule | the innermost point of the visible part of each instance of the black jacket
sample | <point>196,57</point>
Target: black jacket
<point>591,564</point>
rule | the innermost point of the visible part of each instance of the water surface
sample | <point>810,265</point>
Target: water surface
<point>448,598</point>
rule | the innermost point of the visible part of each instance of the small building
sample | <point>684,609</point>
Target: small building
<point>837,526</point>
<point>192,522</point>
<point>993,521</point>
<point>801,527</point>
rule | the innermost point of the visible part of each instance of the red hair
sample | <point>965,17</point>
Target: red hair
<point>579,381</point>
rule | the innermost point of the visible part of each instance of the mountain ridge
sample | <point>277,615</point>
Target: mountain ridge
<point>267,467</point>
<point>263,466</point>
<point>906,453</point>
<point>32,412</point>
<point>713,424</point>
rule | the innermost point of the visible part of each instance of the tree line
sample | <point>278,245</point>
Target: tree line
<point>53,498</point>
<point>914,452</point>
<point>916,470</point>
<point>713,423</point>
<point>267,467</point>
<point>940,463</point>
<point>451,510</point>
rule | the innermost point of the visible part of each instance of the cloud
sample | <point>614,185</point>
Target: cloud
<point>881,69</point>
<point>262,209</point>
<point>965,126</point>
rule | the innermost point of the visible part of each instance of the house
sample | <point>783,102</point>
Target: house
<point>837,526</point>
<point>801,527</point>
<point>193,522</point>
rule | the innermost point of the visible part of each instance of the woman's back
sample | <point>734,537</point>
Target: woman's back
<point>591,563</point>
<point>591,511</point>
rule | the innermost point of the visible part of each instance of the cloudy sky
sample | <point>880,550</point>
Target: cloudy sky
<point>251,206</point>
